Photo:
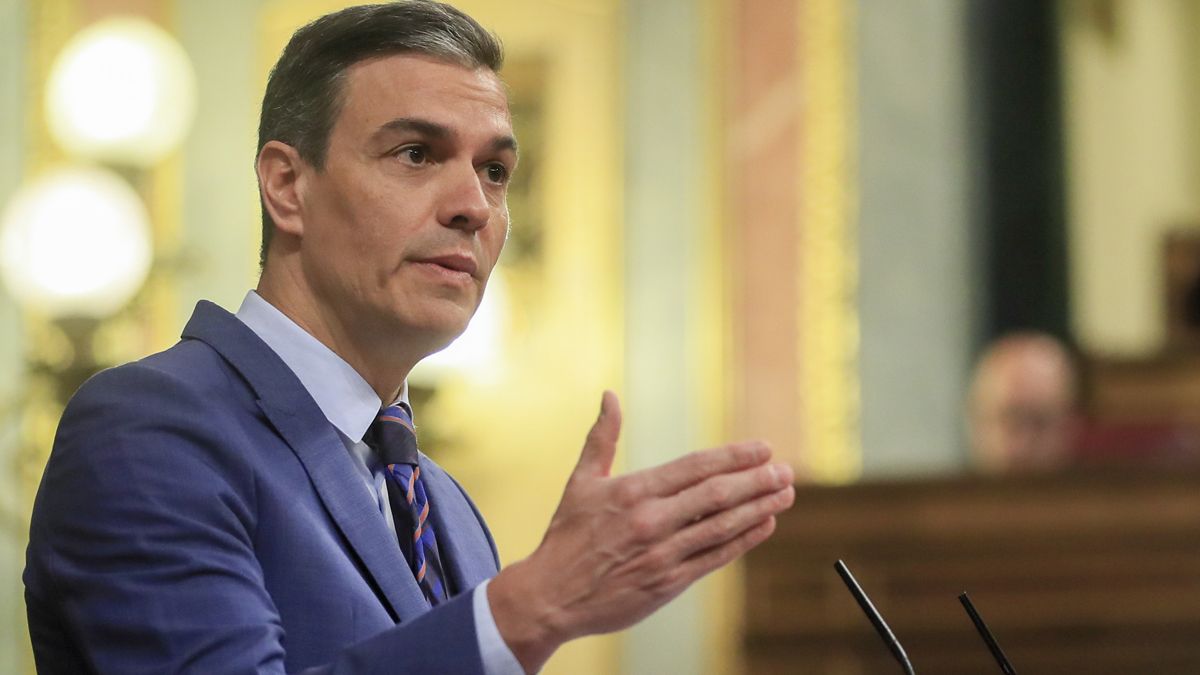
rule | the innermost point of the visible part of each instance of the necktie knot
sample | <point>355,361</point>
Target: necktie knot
<point>392,436</point>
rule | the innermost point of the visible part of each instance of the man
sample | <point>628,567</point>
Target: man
<point>1023,405</point>
<point>234,504</point>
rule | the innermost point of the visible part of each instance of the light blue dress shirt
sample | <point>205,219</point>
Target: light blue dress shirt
<point>350,404</point>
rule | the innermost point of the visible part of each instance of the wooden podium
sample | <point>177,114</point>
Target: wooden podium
<point>1092,572</point>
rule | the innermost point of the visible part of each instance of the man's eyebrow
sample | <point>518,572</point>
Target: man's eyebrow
<point>505,143</point>
<point>420,126</point>
<point>437,131</point>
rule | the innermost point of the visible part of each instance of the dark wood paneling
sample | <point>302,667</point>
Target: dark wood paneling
<point>1095,572</point>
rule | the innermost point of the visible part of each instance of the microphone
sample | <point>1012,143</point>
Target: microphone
<point>881,626</point>
<point>986,634</point>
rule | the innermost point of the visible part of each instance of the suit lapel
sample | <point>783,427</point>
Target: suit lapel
<point>467,554</point>
<point>319,449</point>
<point>357,516</point>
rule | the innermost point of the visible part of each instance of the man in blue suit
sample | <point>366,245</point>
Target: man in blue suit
<point>228,506</point>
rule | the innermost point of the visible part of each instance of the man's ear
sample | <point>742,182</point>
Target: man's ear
<point>281,180</point>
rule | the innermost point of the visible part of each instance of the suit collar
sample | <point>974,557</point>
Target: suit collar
<point>345,398</point>
<point>300,422</point>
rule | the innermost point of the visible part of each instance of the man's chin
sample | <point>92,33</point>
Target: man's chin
<point>430,326</point>
<point>444,331</point>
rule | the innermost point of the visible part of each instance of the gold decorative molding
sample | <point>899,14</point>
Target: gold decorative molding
<point>148,323</point>
<point>50,25</point>
<point>712,319</point>
<point>828,317</point>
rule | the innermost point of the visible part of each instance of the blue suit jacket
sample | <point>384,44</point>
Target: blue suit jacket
<point>199,513</point>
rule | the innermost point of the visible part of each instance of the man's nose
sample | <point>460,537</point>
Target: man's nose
<point>465,204</point>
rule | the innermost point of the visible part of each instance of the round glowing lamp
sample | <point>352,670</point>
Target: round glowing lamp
<point>75,242</point>
<point>122,91</point>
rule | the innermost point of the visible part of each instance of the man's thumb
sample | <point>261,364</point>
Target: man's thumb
<point>601,444</point>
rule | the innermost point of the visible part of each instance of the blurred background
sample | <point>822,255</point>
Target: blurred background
<point>801,220</point>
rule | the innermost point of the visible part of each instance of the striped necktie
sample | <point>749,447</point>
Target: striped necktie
<point>393,437</point>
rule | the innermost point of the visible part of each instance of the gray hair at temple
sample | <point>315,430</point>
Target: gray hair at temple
<point>305,90</point>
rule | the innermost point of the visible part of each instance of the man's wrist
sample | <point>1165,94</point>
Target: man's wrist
<point>497,658</point>
<point>522,617</point>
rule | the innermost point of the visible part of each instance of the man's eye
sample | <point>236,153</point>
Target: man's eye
<point>497,173</point>
<point>413,154</point>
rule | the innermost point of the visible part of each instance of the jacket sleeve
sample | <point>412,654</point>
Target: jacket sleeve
<point>141,555</point>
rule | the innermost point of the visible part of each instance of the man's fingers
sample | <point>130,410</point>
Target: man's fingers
<point>724,492</point>
<point>725,526</point>
<point>701,563</point>
<point>596,459</point>
<point>670,478</point>
<point>710,559</point>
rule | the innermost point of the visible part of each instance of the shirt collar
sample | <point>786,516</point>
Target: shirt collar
<point>347,401</point>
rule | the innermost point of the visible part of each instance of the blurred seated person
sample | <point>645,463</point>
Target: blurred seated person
<point>1023,407</point>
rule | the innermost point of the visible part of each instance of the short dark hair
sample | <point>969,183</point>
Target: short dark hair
<point>305,90</point>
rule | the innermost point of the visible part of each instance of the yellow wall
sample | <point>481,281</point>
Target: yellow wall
<point>1129,83</point>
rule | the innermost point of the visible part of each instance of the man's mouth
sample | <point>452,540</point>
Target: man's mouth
<point>454,262</point>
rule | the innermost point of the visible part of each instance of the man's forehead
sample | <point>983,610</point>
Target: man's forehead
<point>384,88</point>
<point>420,71</point>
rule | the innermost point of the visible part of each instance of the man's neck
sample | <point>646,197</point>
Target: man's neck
<point>378,361</point>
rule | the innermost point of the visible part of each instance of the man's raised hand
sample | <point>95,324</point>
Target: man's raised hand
<point>620,547</point>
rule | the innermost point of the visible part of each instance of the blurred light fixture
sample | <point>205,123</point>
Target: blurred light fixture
<point>122,91</point>
<point>478,350</point>
<point>75,242</point>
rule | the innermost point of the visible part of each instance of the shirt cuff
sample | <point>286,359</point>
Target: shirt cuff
<point>497,658</point>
